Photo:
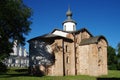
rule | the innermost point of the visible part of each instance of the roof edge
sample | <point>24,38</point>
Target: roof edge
<point>92,40</point>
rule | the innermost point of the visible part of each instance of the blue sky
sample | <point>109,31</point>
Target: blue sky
<point>100,17</point>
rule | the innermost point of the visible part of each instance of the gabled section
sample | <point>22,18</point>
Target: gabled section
<point>92,40</point>
<point>82,30</point>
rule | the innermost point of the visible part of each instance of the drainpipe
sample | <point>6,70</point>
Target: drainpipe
<point>63,58</point>
<point>75,53</point>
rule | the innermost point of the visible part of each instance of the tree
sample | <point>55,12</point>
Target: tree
<point>112,58</point>
<point>118,56</point>
<point>14,24</point>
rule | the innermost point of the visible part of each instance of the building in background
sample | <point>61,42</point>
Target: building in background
<point>68,52</point>
<point>18,58</point>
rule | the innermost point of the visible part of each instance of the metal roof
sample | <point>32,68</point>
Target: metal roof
<point>92,40</point>
<point>49,36</point>
<point>75,32</point>
<point>53,36</point>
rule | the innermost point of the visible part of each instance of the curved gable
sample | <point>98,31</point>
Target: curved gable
<point>93,40</point>
<point>102,41</point>
<point>83,30</point>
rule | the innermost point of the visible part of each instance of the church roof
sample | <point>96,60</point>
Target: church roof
<point>74,32</point>
<point>53,36</point>
<point>48,36</point>
<point>43,36</point>
<point>92,40</point>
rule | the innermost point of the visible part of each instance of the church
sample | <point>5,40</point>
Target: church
<point>68,52</point>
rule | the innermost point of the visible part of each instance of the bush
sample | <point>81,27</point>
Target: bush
<point>112,67</point>
<point>3,68</point>
<point>118,66</point>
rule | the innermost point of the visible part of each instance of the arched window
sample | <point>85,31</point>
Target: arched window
<point>67,59</point>
<point>99,51</point>
<point>67,48</point>
<point>99,56</point>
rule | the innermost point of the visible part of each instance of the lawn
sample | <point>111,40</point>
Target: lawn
<point>21,74</point>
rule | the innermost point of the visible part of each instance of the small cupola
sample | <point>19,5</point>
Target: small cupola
<point>69,24</point>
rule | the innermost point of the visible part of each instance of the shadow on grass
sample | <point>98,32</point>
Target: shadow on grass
<point>21,70</point>
<point>18,73</point>
<point>108,78</point>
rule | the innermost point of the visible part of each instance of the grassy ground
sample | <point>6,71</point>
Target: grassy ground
<point>21,74</point>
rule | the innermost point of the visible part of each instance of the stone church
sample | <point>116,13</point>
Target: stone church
<point>68,52</point>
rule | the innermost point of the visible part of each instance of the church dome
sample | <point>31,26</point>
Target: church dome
<point>69,24</point>
<point>69,13</point>
<point>69,17</point>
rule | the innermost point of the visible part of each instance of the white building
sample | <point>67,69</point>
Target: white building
<point>18,58</point>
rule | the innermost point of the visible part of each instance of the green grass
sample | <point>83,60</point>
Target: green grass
<point>21,74</point>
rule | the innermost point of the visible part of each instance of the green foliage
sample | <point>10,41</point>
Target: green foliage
<point>3,68</point>
<point>118,66</point>
<point>112,58</point>
<point>14,24</point>
<point>118,56</point>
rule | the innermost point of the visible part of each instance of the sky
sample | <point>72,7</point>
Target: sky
<point>99,17</point>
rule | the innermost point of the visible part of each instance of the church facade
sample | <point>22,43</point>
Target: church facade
<point>68,52</point>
